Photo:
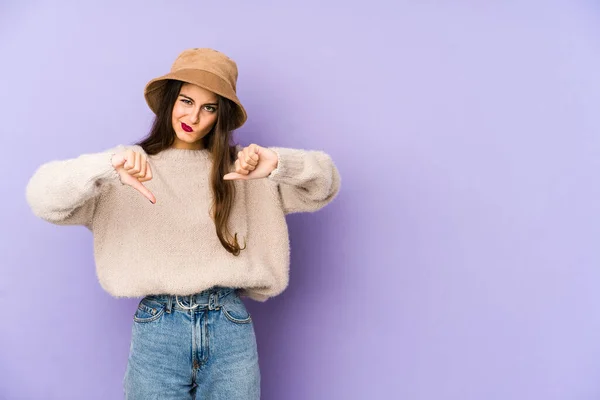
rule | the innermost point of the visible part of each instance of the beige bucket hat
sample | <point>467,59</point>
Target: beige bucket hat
<point>207,68</point>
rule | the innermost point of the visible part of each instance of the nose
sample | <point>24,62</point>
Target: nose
<point>195,117</point>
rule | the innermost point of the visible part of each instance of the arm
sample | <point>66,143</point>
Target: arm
<point>306,180</point>
<point>65,192</point>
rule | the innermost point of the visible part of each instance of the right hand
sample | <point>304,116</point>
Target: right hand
<point>133,168</point>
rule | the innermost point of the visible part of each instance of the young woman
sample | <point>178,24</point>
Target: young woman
<point>190,223</point>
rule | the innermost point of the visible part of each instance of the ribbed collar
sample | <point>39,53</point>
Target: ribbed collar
<point>183,155</point>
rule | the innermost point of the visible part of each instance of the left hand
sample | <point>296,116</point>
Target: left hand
<point>253,162</point>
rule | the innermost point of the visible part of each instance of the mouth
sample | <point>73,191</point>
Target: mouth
<point>186,127</point>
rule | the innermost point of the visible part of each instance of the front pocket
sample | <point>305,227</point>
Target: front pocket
<point>148,311</point>
<point>236,311</point>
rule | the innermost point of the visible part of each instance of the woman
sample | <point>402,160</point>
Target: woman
<point>213,230</point>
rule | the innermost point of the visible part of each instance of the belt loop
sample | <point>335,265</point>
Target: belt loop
<point>213,301</point>
<point>169,304</point>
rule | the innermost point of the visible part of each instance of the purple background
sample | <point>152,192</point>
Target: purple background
<point>460,260</point>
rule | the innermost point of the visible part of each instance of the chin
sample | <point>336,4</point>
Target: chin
<point>185,138</point>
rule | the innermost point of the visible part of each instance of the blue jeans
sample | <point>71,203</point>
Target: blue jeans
<point>200,346</point>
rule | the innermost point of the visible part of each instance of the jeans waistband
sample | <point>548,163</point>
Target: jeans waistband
<point>210,299</point>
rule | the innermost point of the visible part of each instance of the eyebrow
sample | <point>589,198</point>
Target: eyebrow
<point>207,104</point>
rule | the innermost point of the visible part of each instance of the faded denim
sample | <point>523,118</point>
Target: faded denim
<point>201,346</point>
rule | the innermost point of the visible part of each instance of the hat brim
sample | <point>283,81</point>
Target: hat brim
<point>207,80</point>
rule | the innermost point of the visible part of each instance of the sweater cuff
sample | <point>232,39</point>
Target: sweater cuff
<point>102,164</point>
<point>290,165</point>
<point>106,170</point>
<point>105,159</point>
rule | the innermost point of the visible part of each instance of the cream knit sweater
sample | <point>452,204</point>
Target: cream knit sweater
<point>171,247</point>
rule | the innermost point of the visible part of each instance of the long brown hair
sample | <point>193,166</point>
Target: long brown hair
<point>218,142</point>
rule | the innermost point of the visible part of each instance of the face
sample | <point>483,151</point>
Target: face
<point>194,114</point>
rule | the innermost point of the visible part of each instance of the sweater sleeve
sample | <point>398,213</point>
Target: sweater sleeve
<point>65,192</point>
<point>306,180</point>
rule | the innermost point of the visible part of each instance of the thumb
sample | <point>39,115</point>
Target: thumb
<point>137,185</point>
<point>233,176</point>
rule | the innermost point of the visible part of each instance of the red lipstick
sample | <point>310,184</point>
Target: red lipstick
<point>186,128</point>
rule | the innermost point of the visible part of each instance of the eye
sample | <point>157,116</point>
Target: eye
<point>186,101</point>
<point>210,109</point>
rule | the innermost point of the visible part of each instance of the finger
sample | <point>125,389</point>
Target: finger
<point>143,163</point>
<point>239,169</point>
<point>143,190</point>
<point>148,171</point>
<point>136,166</point>
<point>148,174</point>
<point>118,160</point>
<point>250,158</point>
<point>129,160</point>
<point>246,166</point>
<point>256,154</point>
<point>254,148</point>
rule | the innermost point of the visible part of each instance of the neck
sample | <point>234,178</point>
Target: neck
<point>187,146</point>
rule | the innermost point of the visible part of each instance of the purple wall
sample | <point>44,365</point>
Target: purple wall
<point>460,260</point>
